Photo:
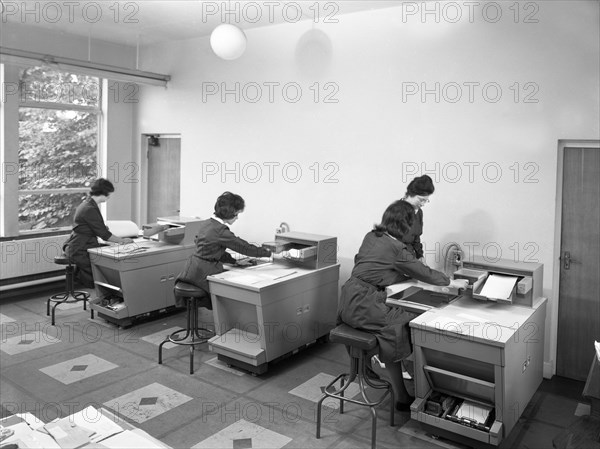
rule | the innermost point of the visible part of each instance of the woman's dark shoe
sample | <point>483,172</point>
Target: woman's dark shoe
<point>404,406</point>
<point>371,374</point>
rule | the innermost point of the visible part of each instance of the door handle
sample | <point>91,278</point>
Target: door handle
<point>567,260</point>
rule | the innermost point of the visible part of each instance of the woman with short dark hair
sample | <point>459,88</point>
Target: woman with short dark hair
<point>383,260</point>
<point>417,195</point>
<point>88,225</point>
<point>212,241</point>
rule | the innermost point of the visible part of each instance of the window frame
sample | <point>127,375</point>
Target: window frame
<point>10,105</point>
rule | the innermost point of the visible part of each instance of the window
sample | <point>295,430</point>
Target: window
<point>59,116</point>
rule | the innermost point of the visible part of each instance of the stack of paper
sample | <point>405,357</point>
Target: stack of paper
<point>499,287</point>
<point>86,426</point>
<point>472,412</point>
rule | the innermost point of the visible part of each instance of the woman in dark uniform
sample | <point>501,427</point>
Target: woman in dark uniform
<point>88,225</point>
<point>212,241</point>
<point>417,195</point>
<point>382,260</point>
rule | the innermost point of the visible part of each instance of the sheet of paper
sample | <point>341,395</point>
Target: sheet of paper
<point>274,273</point>
<point>24,436</point>
<point>294,253</point>
<point>498,286</point>
<point>67,434</point>
<point>96,423</point>
<point>473,412</point>
<point>123,228</point>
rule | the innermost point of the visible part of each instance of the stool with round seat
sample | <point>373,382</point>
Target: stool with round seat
<point>70,295</point>
<point>361,346</point>
<point>194,297</point>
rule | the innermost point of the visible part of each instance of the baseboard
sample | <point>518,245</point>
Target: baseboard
<point>33,287</point>
<point>548,370</point>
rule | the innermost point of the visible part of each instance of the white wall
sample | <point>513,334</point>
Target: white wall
<point>501,202</point>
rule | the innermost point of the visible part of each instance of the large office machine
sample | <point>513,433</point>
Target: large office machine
<point>271,310</point>
<point>136,280</point>
<point>479,359</point>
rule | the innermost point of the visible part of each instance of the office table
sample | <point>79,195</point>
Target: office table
<point>139,276</point>
<point>267,312</point>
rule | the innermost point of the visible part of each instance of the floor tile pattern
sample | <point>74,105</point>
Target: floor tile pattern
<point>146,403</point>
<point>79,368</point>
<point>244,435</point>
<point>81,362</point>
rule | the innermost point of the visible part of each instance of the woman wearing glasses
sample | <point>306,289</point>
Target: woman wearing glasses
<point>417,195</point>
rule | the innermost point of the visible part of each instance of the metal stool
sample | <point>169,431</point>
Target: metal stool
<point>360,345</point>
<point>194,335</point>
<point>70,295</point>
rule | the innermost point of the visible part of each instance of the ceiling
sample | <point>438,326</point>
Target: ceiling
<point>151,21</point>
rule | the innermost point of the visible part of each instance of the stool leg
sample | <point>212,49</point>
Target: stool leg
<point>160,350</point>
<point>392,407</point>
<point>193,319</point>
<point>342,389</point>
<point>319,404</point>
<point>69,280</point>
<point>53,311</point>
<point>374,427</point>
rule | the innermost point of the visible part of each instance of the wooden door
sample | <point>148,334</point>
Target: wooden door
<point>579,292</point>
<point>164,159</point>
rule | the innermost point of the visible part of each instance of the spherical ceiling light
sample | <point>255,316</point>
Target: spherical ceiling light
<point>228,41</point>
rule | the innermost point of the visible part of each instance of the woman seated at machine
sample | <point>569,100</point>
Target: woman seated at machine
<point>382,260</point>
<point>212,241</point>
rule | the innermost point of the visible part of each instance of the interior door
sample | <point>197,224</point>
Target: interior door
<point>164,168</point>
<point>579,297</point>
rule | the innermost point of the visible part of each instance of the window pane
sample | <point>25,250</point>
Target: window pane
<point>44,211</point>
<point>57,148</point>
<point>41,84</point>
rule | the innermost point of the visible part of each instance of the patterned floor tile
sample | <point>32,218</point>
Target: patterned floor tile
<point>78,369</point>
<point>242,435</point>
<point>6,319</point>
<point>27,341</point>
<point>158,337</point>
<point>147,402</point>
<point>312,390</point>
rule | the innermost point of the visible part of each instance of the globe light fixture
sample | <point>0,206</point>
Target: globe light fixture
<point>228,41</point>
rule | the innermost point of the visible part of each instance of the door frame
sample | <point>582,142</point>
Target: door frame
<point>144,169</point>
<point>550,371</point>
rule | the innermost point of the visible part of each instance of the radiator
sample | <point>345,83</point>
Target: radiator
<point>26,257</point>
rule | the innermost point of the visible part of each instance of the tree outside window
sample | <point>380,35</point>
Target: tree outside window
<point>59,114</point>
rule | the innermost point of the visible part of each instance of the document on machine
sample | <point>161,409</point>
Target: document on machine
<point>257,275</point>
<point>498,286</point>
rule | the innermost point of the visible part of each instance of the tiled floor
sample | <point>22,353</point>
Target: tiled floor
<point>53,371</point>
